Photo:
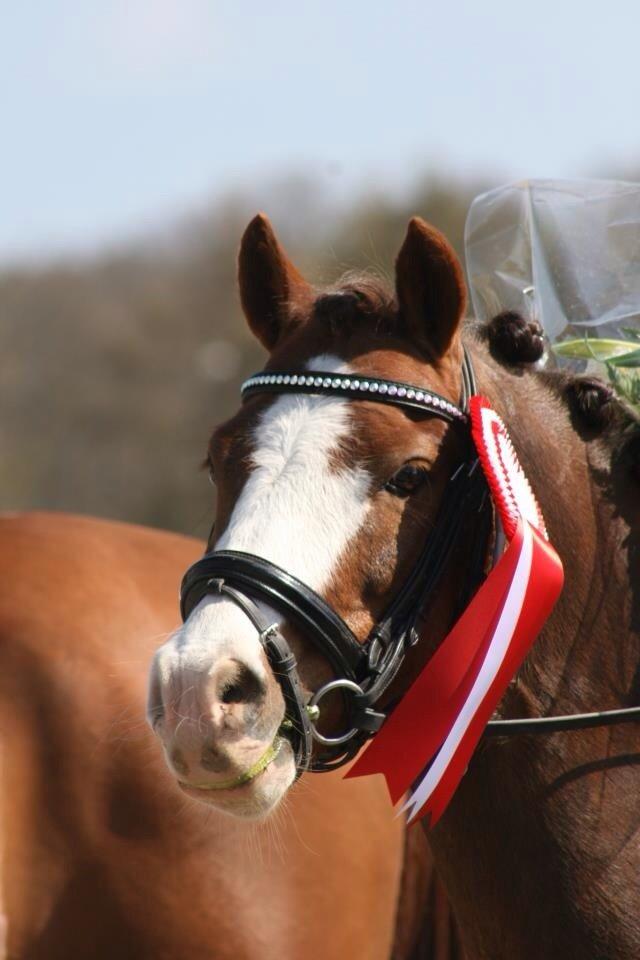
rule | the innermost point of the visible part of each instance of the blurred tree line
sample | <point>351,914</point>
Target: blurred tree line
<point>114,369</point>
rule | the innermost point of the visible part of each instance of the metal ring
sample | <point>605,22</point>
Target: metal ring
<point>315,699</point>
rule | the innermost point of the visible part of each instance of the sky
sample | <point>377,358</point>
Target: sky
<point>116,116</point>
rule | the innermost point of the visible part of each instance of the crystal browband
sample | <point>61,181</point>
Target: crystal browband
<point>354,387</point>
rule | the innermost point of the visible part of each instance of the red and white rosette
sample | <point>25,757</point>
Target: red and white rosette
<point>430,736</point>
<point>510,489</point>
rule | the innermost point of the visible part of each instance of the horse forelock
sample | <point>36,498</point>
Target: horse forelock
<point>357,299</point>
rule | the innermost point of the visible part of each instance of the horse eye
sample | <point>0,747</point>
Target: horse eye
<point>407,480</point>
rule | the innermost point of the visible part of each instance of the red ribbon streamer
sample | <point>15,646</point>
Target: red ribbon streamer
<point>441,718</point>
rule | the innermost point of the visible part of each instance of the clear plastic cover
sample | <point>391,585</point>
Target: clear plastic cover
<point>565,252</point>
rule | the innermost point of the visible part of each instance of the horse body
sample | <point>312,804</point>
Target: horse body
<point>101,856</point>
<point>539,846</point>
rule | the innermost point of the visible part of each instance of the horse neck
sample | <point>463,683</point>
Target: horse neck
<point>574,660</point>
<point>536,848</point>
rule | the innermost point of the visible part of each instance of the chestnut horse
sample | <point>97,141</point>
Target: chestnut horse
<point>539,847</point>
<point>100,855</point>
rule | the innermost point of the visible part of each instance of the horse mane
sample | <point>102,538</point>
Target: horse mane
<point>595,409</point>
<point>513,342</point>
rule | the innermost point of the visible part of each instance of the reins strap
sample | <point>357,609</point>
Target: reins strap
<point>571,721</point>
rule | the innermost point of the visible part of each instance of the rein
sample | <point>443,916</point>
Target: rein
<point>364,671</point>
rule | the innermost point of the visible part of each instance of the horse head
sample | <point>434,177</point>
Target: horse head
<point>339,492</point>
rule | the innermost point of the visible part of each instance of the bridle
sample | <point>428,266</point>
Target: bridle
<point>364,671</point>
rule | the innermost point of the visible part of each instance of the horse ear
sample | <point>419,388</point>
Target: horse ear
<point>269,283</point>
<point>430,288</point>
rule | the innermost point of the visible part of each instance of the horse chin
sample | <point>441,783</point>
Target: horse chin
<point>258,797</point>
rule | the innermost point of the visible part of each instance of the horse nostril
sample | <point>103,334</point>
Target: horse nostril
<point>243,687</point>
<point>232,693</point>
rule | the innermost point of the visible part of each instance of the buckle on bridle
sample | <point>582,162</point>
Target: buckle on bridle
<point>217,583</point>
<point>365,717</point>
<point>268,632</point>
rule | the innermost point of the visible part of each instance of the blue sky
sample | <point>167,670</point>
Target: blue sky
<point>116,116</point>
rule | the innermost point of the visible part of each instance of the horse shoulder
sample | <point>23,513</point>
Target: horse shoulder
<point>102,856</point>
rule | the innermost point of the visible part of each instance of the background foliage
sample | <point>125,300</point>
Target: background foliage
<point>114,369</point>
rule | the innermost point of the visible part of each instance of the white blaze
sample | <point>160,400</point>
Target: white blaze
<point>298,509</point>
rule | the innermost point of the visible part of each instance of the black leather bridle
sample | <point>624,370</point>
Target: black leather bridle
<point>363,671</point>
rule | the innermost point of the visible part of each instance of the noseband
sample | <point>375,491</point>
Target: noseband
<point>364,671</point>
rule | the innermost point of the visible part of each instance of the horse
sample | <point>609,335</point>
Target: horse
<point>101,856</point>
<point>326,500</point>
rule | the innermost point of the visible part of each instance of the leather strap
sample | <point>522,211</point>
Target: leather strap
<point>263,580</point>
<point>571,721</point>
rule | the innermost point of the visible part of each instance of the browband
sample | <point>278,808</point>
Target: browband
<point>392,392</point>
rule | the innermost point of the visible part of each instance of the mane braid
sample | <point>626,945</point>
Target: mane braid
<point>616,428</point>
